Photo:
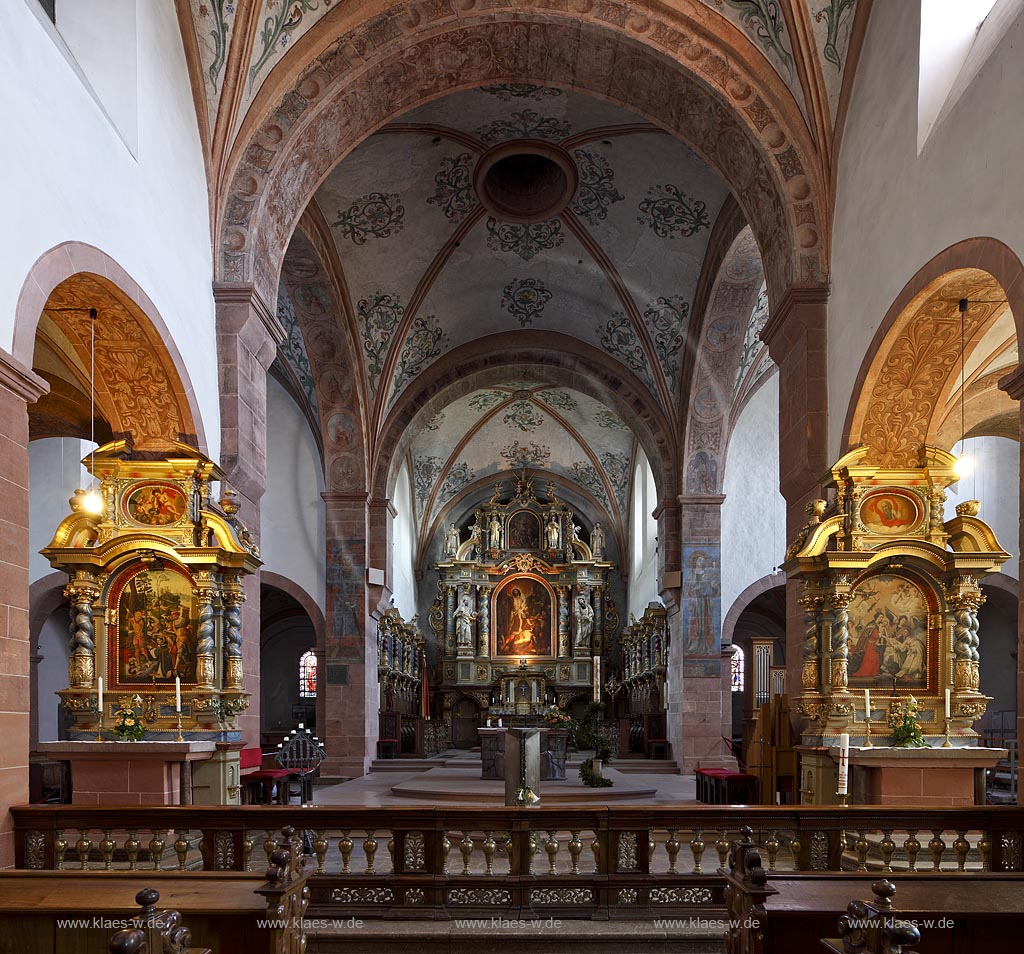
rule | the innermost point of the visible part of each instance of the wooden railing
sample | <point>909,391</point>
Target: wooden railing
<point>572,862</point>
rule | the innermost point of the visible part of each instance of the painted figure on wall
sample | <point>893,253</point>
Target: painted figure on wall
<point>700,593</point>
<point>523,616</point>
<point>888,633</point>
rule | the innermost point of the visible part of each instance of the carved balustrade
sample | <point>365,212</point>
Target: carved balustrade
<point>428,862</point>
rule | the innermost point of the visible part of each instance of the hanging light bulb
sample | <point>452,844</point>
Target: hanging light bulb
<point>92,502</point>
<point>964,462</point>
<point>964,466</point>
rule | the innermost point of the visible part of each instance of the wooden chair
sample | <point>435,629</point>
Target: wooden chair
<point>301,755</point>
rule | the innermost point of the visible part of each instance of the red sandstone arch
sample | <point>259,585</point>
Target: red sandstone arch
<point>911,364</point>
<point>552,357</point>
<point>743,601</point>
<point>54,276</point>
<point>686,70</point>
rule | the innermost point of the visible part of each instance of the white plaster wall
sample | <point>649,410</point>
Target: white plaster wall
<point>292,510</point>
<point>68,175</point>
<point>642,540</point>
<point>52,673</point>
<point>896,210</point>
<point>281,647</point>
<point>54,473</point>
<point>754,512</point>
<point>994,480</point>
<point>404,545</point>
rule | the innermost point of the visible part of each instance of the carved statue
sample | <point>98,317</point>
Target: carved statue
<point>597,541</point>
<point>451,540</point>
<point>464,619</point>
<point>584,623</point>
<point>553,532</point>
<point>494,529</point>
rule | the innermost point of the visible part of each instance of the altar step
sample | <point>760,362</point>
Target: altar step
<point>406,765</point>
<point>479,936</point>
<point>625,766</point>
<point>646,766</point>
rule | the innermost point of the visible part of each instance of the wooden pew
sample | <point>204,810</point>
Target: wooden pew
<point>793,911</point>
<point>222,909</point>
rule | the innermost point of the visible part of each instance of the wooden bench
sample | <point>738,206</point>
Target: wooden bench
<point>39,909</point>
<point>793,911</point>
<point>258,783</point>
<point>719,786</point>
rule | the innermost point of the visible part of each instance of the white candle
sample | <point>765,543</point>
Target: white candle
<point>867,703</point>
<point>844,763</point>
<point>947,703</point>
<point>99,701</point>
<point>177,693</point>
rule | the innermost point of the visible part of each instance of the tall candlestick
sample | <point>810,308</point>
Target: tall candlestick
<point>947,703</point>
<point>844,764</point>
<point>867,702</point>
<point>99,701</point>
<point>177,693</point>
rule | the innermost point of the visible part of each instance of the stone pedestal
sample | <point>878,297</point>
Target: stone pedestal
<point>216,780</point>
<point>130,773</point>
<point>885,775</point>
<point>554,745</point>
<point>522,767</point>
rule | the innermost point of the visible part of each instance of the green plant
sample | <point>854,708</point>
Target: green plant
<point>906,732</point>
<point>591,778</point>
<point>128,726</point>
<point>590,736</point>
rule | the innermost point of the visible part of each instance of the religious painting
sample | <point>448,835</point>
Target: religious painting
<point>889,639</point>
<point>890,512</point>
<point>155,504</point>
<point>702,604</point>
<point>523,617</point>
<point>523,531</point>
<point>155,631</point>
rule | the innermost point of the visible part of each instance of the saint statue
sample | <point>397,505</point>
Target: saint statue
<point>451,540</point>
<point>553,532</point>
<point>597,541</point>
<point>464,619</point>
<point>494,528</point>
<point>584,623</point>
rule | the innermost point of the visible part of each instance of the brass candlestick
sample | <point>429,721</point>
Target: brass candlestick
<point>180,737</point>
<point>947,744</point>
<point>843,799</point>
<point>867,730</point>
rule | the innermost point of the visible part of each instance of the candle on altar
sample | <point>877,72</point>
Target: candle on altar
<point>99,701</point>
<point>177,693</point>
<point>947,703</point>
<point>844,763</point>
<point>867,703</point>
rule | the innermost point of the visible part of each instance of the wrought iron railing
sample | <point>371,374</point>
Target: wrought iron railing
<point>573,862</point>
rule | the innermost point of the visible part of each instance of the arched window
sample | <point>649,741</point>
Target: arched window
<point>307,675</point>
<point>736,672</point>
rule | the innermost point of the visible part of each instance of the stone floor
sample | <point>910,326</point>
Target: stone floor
<point>453,778</point>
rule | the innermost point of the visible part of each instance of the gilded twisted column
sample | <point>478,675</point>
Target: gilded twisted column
<point>82,592</point>
<point>233,597</point>
<point>840,648</point>
<point>811,676</point>
<point>965,603</point>
<point>205,591</point>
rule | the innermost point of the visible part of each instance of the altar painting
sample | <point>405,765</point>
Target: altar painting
<point>156,504</point>
<point>889,637</point>
<point>523,531</point>
<point>523,617</point>
<point>155,638</point>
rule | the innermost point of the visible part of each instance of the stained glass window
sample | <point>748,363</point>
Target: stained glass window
<point>737,668</point>
<point>307,675</point>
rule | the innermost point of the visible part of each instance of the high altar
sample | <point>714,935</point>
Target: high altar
<point>522,607</point>
<point>891,597</point>
<point>155,585</point>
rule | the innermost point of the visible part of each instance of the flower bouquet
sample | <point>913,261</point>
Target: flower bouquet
<point>128,726</point>
<point>557,719</point>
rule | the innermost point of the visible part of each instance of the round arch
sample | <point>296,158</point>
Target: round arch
<point>60,265</point>
<point>45,597</point>
<point>550,356</point>
<point>899,350</point>
<point>743,601</point>
<point>711,88</point>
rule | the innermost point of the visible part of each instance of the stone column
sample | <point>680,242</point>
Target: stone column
<point>483,621</point>
<point>564,651</point>
<point>449,619</point>
<point>19,387</point>
<point>597,594</point>
<point>669,579</point>
<point>795,336</point>
<point>704,705</point>
<point>248,334</point>
<point>1013,384</point>
<point>351,692</point>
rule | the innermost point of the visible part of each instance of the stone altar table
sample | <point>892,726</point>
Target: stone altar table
<point>130,773</point>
